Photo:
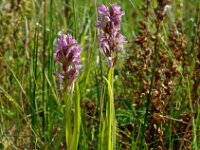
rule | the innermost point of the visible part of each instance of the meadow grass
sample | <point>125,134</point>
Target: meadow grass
<point>156,82</point>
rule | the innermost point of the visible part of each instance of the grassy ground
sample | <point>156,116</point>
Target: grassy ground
<point>156,81</point>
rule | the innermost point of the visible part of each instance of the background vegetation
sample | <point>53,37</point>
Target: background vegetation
<point>157,78</point>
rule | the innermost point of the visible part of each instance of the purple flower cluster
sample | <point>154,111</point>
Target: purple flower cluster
<point>110,38</point>
<point>67,53</point>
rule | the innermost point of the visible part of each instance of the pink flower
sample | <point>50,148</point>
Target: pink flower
<point>110,38</point>
<point>67,54</point>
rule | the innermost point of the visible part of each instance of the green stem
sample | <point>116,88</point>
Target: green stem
<point>195,147</point>
<point>110,122</point>
<point>72,135</point>
<point>44,121</point>
<point>68,128</point>
<point>33,105</point>
<point>111,103</point>
<point>77,120</point>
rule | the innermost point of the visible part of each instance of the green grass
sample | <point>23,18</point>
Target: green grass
<point>32,111</point>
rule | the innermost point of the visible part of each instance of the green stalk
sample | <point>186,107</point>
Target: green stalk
<point>109,109</point>
<point>44,121</point>
<point>110,114</point>
<point>50,58</point>
<point>68,127</point>
<point>194,143</point>
<point>33,103</point>
<point>77,120</point>
<point>72,135</point>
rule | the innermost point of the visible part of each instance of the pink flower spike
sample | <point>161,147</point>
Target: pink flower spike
<point>110,38</point>
<point>67,54</point>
